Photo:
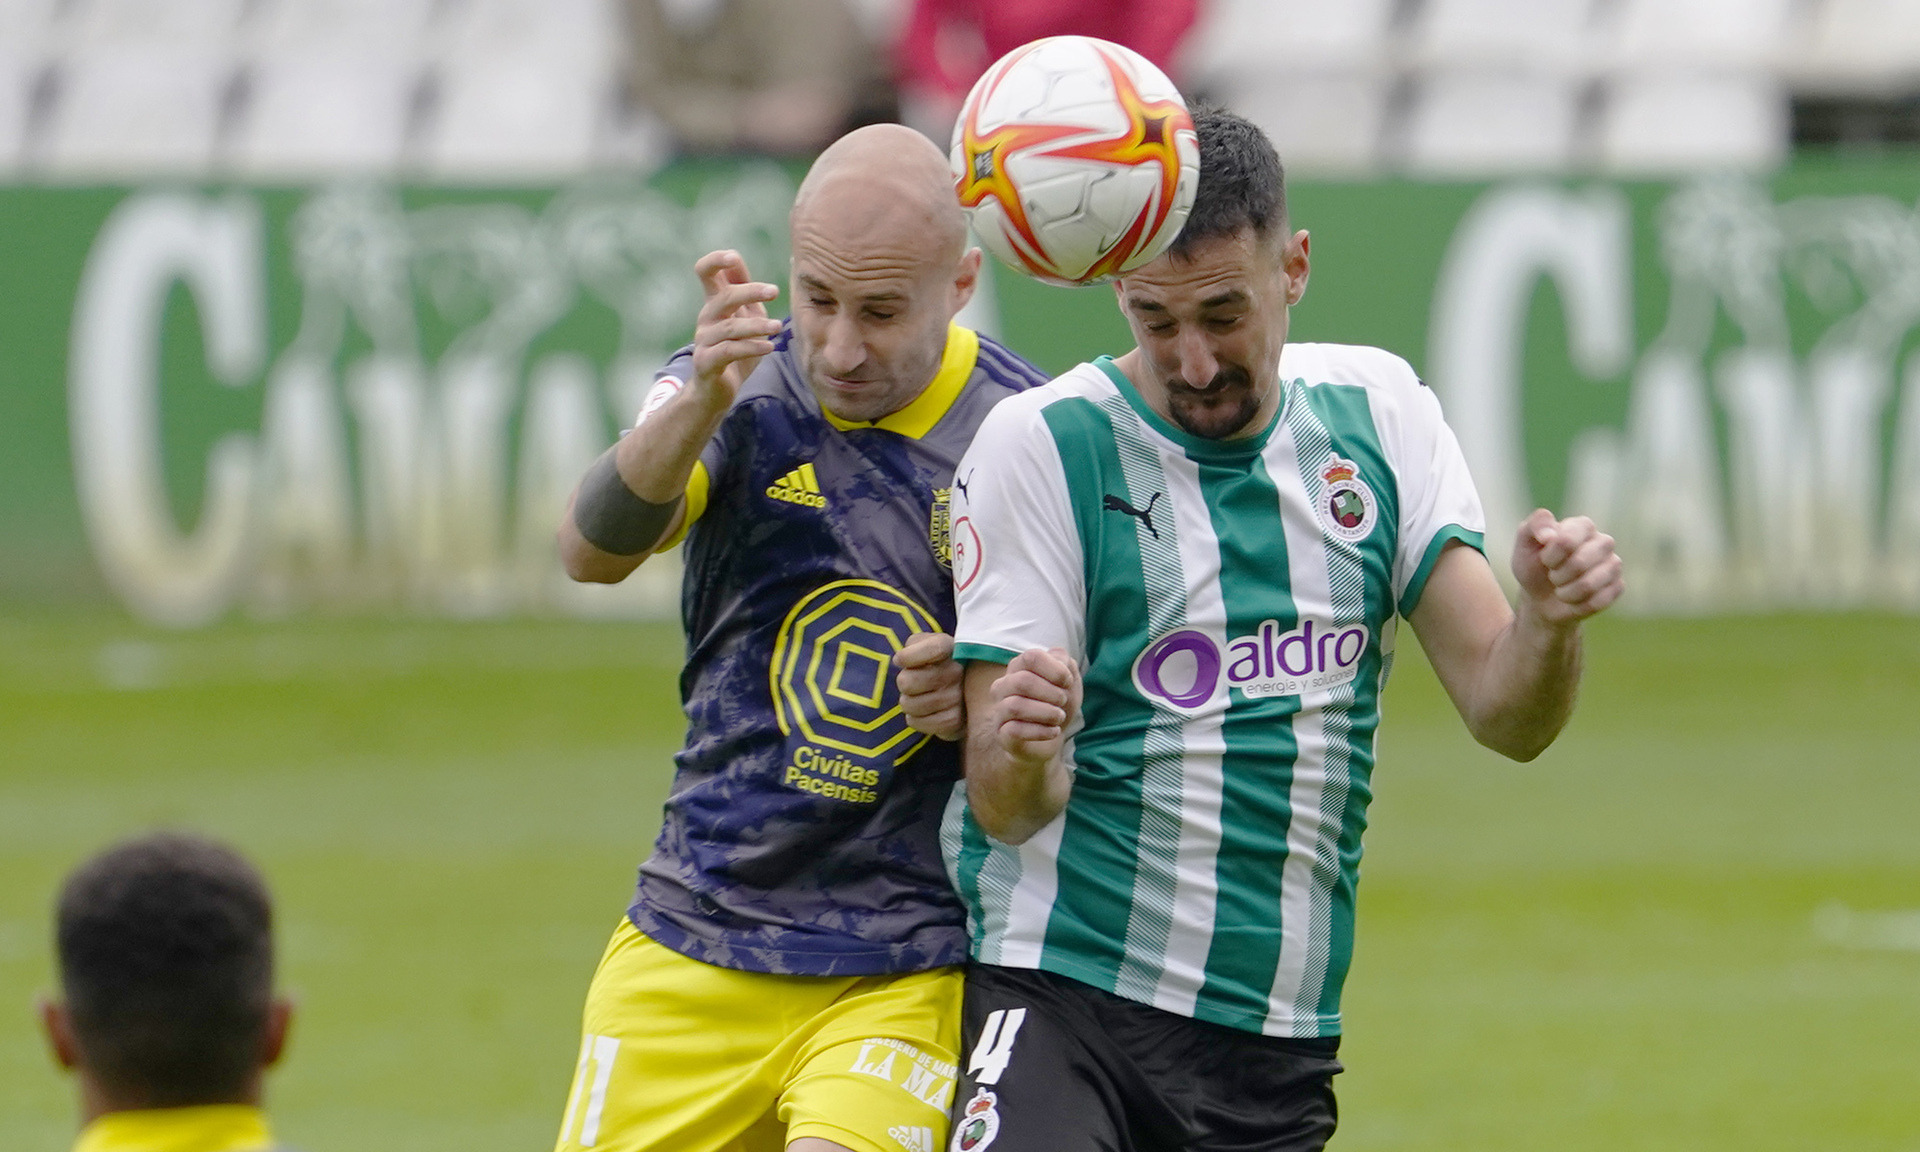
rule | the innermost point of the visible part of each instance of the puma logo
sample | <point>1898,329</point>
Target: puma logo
<point>1144,515</point>
<point>962,484</point>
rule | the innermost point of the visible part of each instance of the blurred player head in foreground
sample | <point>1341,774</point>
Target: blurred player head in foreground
<point>1209,317</point>
<point>880,267</point>
<point>168,1017</point>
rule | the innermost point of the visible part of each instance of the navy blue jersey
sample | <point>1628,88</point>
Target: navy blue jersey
<point>801,835</point>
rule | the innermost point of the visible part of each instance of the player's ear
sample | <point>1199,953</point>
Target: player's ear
<point>273,1044</point>
<point>966,278</point>
<point>1296,264</point>
<point>58,1026</point>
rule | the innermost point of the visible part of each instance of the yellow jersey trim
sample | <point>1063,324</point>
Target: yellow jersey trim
<point>918,417</point>
<point>914,421</point>
<point>202,1128</point>
<point>698,486</point>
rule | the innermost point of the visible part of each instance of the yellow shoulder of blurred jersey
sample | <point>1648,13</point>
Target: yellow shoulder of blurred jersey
<point>204,1128</point>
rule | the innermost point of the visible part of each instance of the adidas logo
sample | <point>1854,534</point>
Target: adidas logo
<point>912,1139</point>
<point>799,486</point>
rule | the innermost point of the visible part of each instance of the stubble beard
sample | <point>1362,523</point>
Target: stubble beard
<point>1224,407</point>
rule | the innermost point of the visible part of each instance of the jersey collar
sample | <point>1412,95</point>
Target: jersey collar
<point>202,1128</point>
<point>918,417</point>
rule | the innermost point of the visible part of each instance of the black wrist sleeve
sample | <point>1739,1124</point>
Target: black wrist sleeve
<point>612,518</point>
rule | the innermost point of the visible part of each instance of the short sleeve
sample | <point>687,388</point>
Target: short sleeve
<point>1438,502</point>
<point>1018,575</point>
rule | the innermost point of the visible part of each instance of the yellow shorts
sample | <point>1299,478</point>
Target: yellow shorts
<point>681,1056</point>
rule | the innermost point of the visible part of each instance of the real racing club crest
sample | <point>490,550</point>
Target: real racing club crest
<point>979,1124</point>
<point>1346,506</point>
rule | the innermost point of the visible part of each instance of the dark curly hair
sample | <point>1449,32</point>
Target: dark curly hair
<point>166,960</point>
<point>1242,184</point>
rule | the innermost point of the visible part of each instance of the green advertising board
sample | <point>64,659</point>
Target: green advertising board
<point>362,397</point>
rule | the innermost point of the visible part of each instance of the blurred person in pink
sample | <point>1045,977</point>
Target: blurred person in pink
<point>947,44</point>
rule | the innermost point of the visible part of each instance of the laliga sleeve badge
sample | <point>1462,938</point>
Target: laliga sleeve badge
<point>965,550</point>
<point>663,390</point>
<point>979,1124</point>
<point>1346,506</point>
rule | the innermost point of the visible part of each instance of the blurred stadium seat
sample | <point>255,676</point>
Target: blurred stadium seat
<point>1475,123</point>
<point>129,108</point>
<point>18,72</point>
<point>333,111</point>
<point>1536,35</point>
<point>1694,84</point>
<point>377,26</point>
<point>26,33</point>
<point>523,89</point>
<point>1327,110</point>
<point>578,32</point>
<point>1698,34</point>
<point>1856,46</point>
<point>187,24</point>
<point>1676,121</point>
<point>509,117</point>
<point>28,25</point>
<point>1496,85</point>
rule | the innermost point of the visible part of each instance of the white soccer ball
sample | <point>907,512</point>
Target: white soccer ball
<point>1076,160</point>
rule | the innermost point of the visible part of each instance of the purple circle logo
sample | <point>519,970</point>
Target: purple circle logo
<point>1181,668</point>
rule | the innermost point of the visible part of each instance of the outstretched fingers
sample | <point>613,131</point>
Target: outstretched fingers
<point>733,324</point>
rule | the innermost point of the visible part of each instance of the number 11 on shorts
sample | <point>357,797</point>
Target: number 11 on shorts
<point>995,1047</point>
<point>590,1081</point>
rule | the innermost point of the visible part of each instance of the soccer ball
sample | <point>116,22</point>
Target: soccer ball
<point>1076,160</point>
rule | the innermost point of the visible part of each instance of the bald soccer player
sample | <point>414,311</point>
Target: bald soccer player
<point>787,975</point>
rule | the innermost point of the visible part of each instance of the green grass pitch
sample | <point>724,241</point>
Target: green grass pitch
<point>1678,930</point>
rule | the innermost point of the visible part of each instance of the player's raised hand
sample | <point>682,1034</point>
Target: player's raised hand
<point>733,330</point>
<point>930,681</point>
<point>1567,569</point>
<point>1035,702</point>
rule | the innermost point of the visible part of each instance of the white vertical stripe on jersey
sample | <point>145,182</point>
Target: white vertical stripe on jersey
<point>1309,825</point>
<point>1024,936</point>
<point>1196,879</point>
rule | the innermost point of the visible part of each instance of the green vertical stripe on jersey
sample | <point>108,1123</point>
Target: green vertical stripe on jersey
<point>1257,770</point>
<point>1099,844</point>
<point>1360,580</point>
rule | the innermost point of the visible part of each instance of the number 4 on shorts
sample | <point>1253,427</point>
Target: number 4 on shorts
<point>995,1047</point>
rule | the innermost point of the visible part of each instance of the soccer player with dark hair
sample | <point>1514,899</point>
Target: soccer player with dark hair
<point>1176,623</point>
<point>168,1018</point>
<point>787,975</point>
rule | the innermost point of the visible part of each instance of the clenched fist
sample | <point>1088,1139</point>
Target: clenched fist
<point>1567,569</point>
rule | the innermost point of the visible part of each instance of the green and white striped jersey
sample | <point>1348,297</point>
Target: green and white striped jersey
<point>1232,605</point>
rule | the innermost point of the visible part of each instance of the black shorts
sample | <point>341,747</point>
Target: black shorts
<point>1087,1071</point>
